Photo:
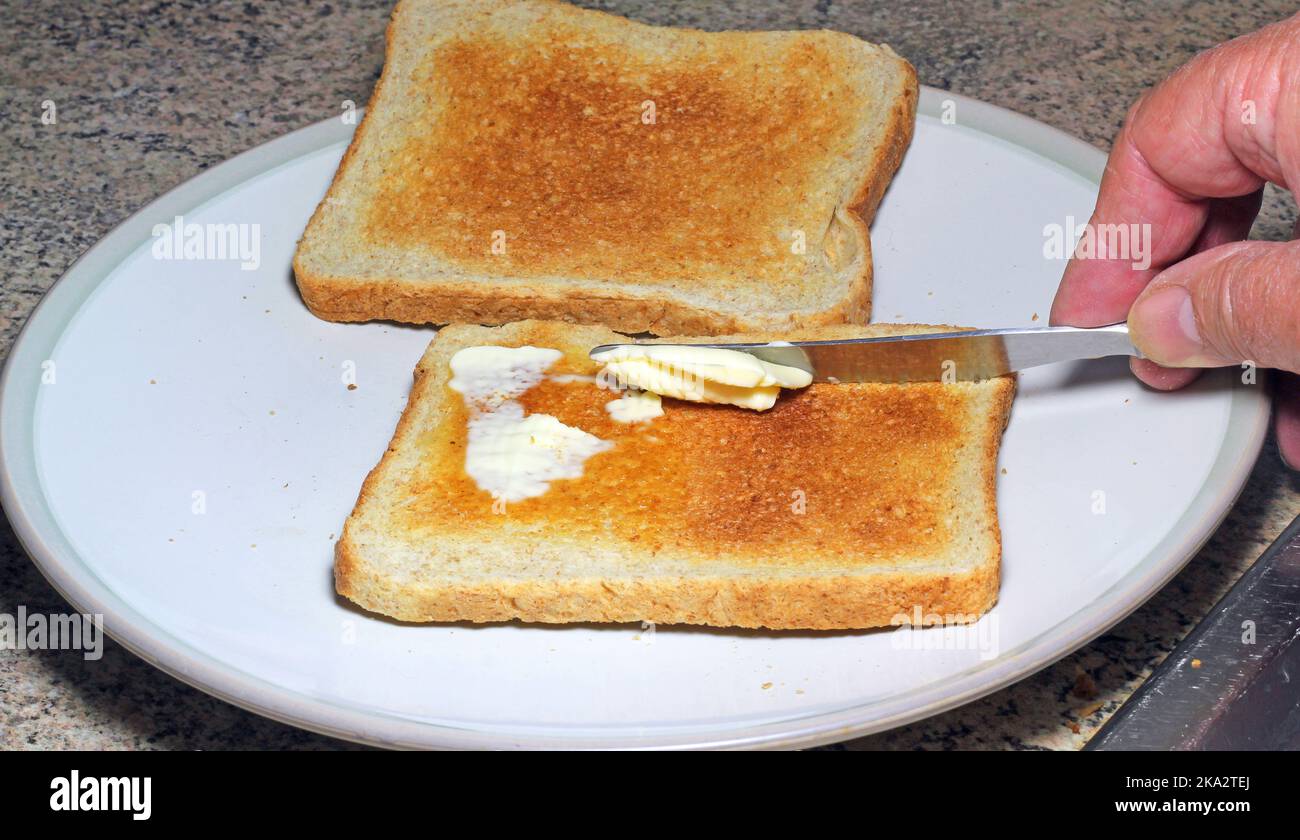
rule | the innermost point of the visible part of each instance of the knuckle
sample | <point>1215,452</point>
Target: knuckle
<point>1247,305</point>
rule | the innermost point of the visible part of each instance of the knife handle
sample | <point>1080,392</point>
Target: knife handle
<point>1045,345</point>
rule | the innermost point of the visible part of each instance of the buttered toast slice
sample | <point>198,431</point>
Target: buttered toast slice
<point>842,506</point>
<point>531,159</point>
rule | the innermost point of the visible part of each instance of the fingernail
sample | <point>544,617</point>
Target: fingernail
<point>1163,326</point>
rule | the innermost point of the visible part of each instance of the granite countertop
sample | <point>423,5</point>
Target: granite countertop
<point>149,94</point>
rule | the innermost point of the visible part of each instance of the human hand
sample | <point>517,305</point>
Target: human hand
<point>1189,167</point>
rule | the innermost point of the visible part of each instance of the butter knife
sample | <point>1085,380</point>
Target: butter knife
<point>968,355</point>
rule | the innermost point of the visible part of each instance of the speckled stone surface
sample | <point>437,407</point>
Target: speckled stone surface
<point>151,93</point>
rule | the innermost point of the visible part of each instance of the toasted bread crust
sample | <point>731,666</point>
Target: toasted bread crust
<point>394,299</point>
<point>902,124</point>
<point>784,596</point>
<point>482,294</point>
<point>812,603</point>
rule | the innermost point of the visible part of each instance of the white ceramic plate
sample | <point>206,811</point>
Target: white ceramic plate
<point>176,378</point>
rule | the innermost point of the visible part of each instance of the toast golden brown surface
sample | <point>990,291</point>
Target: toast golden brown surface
<point>527,158</point>
<point>844,506</point>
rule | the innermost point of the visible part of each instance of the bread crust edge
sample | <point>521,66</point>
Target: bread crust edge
<point>840,602</point>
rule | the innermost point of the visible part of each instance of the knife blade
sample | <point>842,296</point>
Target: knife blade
<point>963,356</point>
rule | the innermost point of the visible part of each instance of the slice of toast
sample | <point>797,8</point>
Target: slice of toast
<point>530,159</point>
<point>843,506</point>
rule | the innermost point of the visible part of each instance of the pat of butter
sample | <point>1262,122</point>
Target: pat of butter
<point>635,407</point>
<point>701,374</point>
<point>511,456</point>
<point>493,375</point>
<point>515,457</point>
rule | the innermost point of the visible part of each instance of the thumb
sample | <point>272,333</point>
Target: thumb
<point>1230,304</point>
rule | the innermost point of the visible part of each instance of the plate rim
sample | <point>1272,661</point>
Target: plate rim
<point>33,521</point>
